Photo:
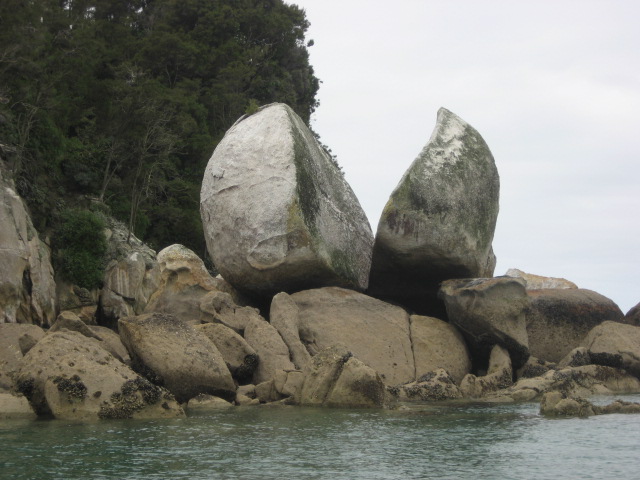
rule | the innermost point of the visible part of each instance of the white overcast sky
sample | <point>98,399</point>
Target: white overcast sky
<point>552,86</point>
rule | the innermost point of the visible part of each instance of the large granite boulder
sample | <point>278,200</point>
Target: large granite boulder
<point>439,221</point>
<point>173,354</point>
<point>615,345</point>
<point>538,282</point>
<point>489,311</point>
<point>70,376</point>
<point>277,212</point>
<point>336,378</point>
<point>184,282</point>
<point>559,319</point>
<point>10,351</point>
<point>27,286</point>
<point>377,333</point>
<point>438,344</point>
<point>132,274</point>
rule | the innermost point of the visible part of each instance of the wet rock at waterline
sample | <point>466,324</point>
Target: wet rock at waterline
<point>439,221</point>
<point>175,355</point>
<point>615,345</point>
<point>278,214</point>
<point>71,376</point>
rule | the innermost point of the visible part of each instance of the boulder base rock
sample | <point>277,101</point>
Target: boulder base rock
<point>335,378</point>
<point>173,354</point>
<point>615,345</point>
<point>278,214</point>
<point>432,386</point>
<point>439,221</point>
<point>377,333</point>
<point>10,351</point>
<point>438,345</point>
<point>489,311</point>
<point>273,354</point>
<point>499,376</point>
<point>558,319</point>
<point>72,377</point>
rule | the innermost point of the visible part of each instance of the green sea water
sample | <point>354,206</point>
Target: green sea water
<point>432,442</point>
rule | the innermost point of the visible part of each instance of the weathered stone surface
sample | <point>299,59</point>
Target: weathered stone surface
<point>437,344</point>
<point>633,316</point>
<point>15,407</point>
<point>27,287</point>
<point>278,214</point>
<point>377,333</point>
<point>537,282</point>
<point>577,357</point>
<point>571,381</point>
<point>184,281</point>
<point>439,221</point>
<point>615,345</point>
<point>68,320</point>
<point>499,376</point>
<point>266,392</point>
<point>555,404</point>
<point>534,367</point>
<point>285,317</point>
<point>358,386</point>
<point>437,385</point>
<point>132,274</point>
<point>111,342</point>
<point>292,385</point>
<point>240,357</point>
<point>489,311</point>
<point>173,354</point>
<point>72,377</point>
<point>205,403</point>
<point>559,319</point>
<point>335,378</point>
<point>273,353</point>
<point>10,351</point>
<point>78,300</point>
<point>220,307</point>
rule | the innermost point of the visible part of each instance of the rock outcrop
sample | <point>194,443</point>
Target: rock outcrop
<point>278,214</point>
<point>557,404</point>
<point>273,354</point>
<point>489,311</point>
<point>377,333</point>
<point>70,376</point>
<point>558,319</point>
<point>27,286</point>
<point>173,354</point>
<point>633,316</point>
<point>132,274</point>
<point>183,283</point>
<point>284,315</point>
<point>499,376</point>
<point>433,386</point>
<point>615,345</point>
<point>439,221</point>
<point>335,378</point>
<point>538,282</point>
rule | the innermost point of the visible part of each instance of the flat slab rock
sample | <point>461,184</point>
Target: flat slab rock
<point>278,214</point>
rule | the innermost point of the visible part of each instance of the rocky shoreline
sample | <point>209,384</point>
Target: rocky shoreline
<point>310,308</point>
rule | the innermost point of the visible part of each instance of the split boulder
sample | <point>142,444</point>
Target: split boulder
<point>277,212</point>
<point>439,221</point>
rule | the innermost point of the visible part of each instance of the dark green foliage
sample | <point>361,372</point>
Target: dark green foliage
<point>80,248</point>
<point>125,100</point>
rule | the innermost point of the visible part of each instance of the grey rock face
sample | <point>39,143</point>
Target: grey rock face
<point>489,311</point>
<point>27,287</point>
<point>538,282</point>
<point>10,350</point>
<point>633,316</point>
<point>558,319</point>
<point>173,354</point>
<point>439,221</point>
<point>277,213</point>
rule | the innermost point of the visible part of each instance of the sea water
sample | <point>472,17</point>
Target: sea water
<point>478,441</point>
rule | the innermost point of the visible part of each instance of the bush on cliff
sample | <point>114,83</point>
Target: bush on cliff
<point>81,248</point>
